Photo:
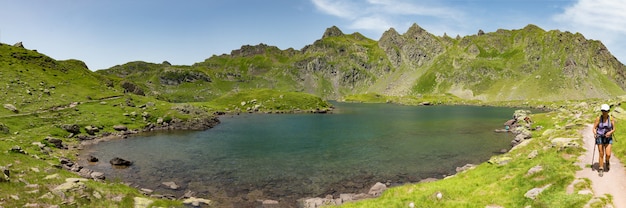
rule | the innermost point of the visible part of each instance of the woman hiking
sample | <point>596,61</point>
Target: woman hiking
<point>603,130</point>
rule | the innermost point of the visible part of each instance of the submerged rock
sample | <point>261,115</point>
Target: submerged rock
<point>120,162</point>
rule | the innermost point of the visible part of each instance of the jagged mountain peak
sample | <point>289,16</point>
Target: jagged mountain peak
<point>333,31</point>
<point>415,30</point>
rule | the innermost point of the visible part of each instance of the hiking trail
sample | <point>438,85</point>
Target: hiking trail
<point>612,182</point>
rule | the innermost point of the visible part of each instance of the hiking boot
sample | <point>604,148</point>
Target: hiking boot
<point>600,172</point>
<point>608,165</point>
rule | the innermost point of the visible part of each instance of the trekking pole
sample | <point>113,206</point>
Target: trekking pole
<point>593,155</point>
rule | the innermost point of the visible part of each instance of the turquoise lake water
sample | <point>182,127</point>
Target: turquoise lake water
<point>290,156</point>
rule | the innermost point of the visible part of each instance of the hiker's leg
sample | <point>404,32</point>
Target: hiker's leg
<point>601,157</point>
<point>608,152</point>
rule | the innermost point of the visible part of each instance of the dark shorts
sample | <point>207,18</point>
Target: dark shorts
<point>604,140</point>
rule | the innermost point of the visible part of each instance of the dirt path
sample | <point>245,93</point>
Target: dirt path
<point>613,182</point>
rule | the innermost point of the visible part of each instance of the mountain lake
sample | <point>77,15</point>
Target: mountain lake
<point>286,157</point>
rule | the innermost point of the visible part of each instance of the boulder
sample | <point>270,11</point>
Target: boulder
<point>120,128</point>
<point>19,44</point>
<point>92,158</point>
<point>564,142</point>
<point>11,107</point>
<point>97,175</point>
<point>465,167</point>
<point>71,128</point>
<point>500,160</point>
<point>171,185</point>
<point>377,189</point>
<point>120,162</point>
<point>533,193</point>
<point>4,128</point>
<point>533,154</point>
<point>534,170</point>
<point>91,130</point>
<point>17,149</point>
<point>58,143</point>
<point>4,174</point>
<point>196,202</point>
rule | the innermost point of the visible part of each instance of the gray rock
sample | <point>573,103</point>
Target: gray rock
<point>564,142</point>
<point>19,44</point>
<point>377,189</point>
<point>71,128</point>
<point>196,201</point>
<point>5,174</point>
<point>534,170</point>
<point>146,191</point>
<point>533,193</point>
<point>98,176</point>
<point>120,162</point>
<point>120,128</point>
<point>171,185</point>
<point>465,167</point>
<point>91,130</point>
<point>533,154</point>
<point>11,107</point>
<point>85,173</point>
<point>17,149</point>
<point>92,158</point>
<point>58,143</point>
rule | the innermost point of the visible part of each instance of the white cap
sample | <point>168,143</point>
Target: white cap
<point>605,107</point>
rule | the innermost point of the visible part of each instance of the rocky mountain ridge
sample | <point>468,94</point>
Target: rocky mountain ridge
<point>529,63</point>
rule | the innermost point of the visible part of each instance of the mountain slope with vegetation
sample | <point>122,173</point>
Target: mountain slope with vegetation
<point>506,65</point>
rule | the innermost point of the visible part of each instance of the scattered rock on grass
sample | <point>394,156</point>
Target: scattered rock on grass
<point>4,174</point>
<point>534,170</point>
<point>533,193</point>
<point>11,107</point>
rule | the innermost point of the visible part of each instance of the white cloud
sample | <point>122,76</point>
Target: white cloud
<point>380,15</point>
<point>600,14</point>
<point>342,9</point>
<point>372,23</point>
<point>603,20</point>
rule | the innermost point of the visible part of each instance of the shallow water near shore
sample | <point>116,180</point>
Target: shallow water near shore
<point>285,157</point>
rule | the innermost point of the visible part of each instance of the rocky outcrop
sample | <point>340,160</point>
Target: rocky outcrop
<point>177,77</point>
<point>416,47</point>
<point>130,87</point>
<point>333,31</point>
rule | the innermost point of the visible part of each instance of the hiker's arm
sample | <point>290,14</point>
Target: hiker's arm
<point>610,133</point>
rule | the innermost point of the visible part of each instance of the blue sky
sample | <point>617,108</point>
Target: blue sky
<point>111,32</point>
